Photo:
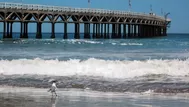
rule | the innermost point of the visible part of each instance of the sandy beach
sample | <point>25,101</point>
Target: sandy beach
<point>33,97</point>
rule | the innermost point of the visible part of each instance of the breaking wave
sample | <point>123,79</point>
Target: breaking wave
<point>95,67</point>
<point>161,76</point>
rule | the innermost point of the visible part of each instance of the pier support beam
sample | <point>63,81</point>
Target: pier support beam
<point>4,30</point>
<point>116,30</point>
<point>25,30</point>
<point>132,31</point>
<point>165,31</point>
<point>159,31</point>
<point>154,31</point>
<point>124,31</point>
<point>99,35</point>
<point>105,36</point>
<point>150,31</point>
<point>94,34</point>
<point>98,31</point>
<point>142,31</point>
<point>119,31</point>
<point>77,31</point>
<point>53,30</point>
<point>8,27</point>
<point>21,30</point>
<point>87,31</point>
<point>11,25</point>
<point>101,31</point>
<point>139,31</point>
<point>135,30</point>
<point>108,32</point>
<point>146,31</point>
<point>38,34</point>
<point>129,31</point>
<point>65,31</point>
<point>113,31</point>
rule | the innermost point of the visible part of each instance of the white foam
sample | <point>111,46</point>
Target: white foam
<point>84,42</point>
<point>95,67</point>
<point>114,43</point>
<point>131,44</point>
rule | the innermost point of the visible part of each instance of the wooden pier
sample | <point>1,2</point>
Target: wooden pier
<point>103,23</point>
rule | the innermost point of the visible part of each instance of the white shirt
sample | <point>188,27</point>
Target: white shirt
<point>54,85</point>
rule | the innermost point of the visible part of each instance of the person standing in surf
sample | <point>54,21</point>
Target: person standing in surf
<point>53,88</point>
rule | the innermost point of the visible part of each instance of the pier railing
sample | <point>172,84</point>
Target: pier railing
<point>35,7</point>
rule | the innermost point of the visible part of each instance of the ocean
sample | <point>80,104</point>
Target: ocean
<point>157,65</point>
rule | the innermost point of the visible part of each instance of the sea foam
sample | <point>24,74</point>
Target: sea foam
<point>94,67</point>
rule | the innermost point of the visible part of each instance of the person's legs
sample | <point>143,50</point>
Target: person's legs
<point>52,94</point>
<point>55,93</point>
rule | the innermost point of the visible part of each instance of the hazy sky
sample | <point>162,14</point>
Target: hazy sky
<point>178,9</point>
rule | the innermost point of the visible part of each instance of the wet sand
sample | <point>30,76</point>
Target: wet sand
<point>34,97</point>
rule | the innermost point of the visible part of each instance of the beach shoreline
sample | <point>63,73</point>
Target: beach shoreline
<point>39,97</point>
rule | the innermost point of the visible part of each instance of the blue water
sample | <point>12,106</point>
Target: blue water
<point>173,46</point>
<point>144,66</point>
<point>119,65</point>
